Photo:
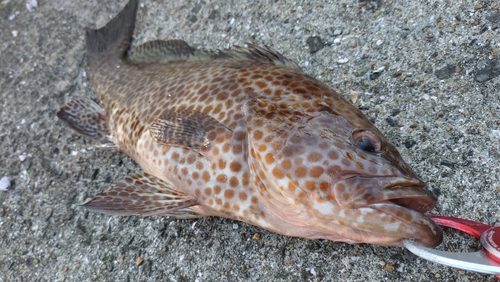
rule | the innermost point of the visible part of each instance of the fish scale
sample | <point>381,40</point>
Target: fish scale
<point>243,134</point>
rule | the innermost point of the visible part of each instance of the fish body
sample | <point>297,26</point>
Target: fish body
<point>243,134</point>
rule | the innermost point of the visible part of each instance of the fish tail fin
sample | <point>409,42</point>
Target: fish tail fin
<point>112,40</point>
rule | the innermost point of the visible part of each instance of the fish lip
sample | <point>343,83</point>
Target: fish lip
<point>414,197</point>
<point>407,206</point>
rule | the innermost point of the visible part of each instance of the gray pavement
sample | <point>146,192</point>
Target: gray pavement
<point>426,72</point>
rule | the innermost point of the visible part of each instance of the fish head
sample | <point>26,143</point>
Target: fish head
<point>352,182</point>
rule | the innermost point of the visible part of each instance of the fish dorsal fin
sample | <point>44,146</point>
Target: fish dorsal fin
<point>189,129</point>
<point>260,54</point>
<point>161,51</point>
<point>176,50</point>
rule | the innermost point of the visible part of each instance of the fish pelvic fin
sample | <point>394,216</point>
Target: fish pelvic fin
<point>146,195</point>
<point>86,118</point>
<point>176,50</point>
<point>114,38</point>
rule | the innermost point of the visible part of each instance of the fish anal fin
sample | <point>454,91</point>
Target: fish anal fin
<point>146,195</point>
<point>87,118</point>
<point>188,129</point>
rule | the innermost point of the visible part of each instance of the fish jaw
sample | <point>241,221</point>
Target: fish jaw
<point>389,209</point>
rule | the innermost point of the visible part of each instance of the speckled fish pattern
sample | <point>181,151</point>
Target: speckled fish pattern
<point>243,134</point>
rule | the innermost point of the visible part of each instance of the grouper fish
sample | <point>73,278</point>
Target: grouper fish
<point>243,134</point>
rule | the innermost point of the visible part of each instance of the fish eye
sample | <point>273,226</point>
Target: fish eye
<point>366,141</point>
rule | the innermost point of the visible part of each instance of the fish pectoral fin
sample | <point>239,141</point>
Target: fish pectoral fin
<point>86,118</point>
<point>146,195</point>
<point>187,129</point>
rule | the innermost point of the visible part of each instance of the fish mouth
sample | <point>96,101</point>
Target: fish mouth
<point>395,211</point>
<point>406,209</point>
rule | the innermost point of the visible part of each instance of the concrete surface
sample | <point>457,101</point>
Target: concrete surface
<point>437,99</point>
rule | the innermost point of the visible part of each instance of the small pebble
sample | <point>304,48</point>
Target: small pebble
<point>15,33</point>
<point>353,96</point>
<point>139,261</point>
<point>314,43</point>
<point>342,60</point>
<point>492,70</point>
<point>31,5</point>
<point>256,236</point>
<point>329,42</point>
<point>121,259</point>
<point>4,183</point>
<point>389,267</point>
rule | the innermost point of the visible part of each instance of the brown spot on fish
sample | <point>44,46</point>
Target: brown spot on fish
<point>208,191</point>
<point>300,172</point>
<point>316,171</point>
<point>242,196</point>
<point>206,176</point>
<point>228,194</point>
<point>286,164</point>
<point>222,178</point>
<point>278,173</point>
<point>310,185</point>
<point>314,157</point>
<point>217,189</point>
<point>234,182</point>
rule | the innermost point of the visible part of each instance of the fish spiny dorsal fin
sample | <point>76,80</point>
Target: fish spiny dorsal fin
<point>86,118</point>
<point>261,54</point>
<point>114,38</point>
<point>176,50</point>
<point>143,194</point>
<point>189,129</point>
